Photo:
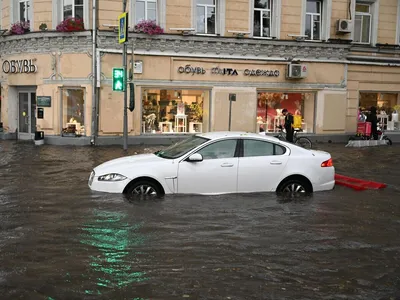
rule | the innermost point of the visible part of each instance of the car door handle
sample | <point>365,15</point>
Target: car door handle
<point>275,162</point>
<point>226,165</point>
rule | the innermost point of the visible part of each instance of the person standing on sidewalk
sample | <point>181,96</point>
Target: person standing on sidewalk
<point>289,120</point>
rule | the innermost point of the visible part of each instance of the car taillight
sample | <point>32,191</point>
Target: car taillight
<point>327,163</point>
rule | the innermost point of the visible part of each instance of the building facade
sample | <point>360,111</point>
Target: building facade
<point>219,64</point>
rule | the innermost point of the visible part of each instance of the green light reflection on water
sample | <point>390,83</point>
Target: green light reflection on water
<point>115,240</point>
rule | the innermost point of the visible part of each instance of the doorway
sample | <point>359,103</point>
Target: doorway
<point>26,115</point>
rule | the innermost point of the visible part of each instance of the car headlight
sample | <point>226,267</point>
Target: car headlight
<point>111,177</point>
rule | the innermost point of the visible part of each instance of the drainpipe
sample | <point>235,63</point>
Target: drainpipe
<point>94,74</point>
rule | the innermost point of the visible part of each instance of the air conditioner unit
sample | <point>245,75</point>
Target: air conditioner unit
<point>296,71</point>
<point>344,26</point>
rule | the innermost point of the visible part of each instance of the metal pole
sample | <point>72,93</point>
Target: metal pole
<point>124,63</point>
<point>230,114</point>
<point>94,74</point>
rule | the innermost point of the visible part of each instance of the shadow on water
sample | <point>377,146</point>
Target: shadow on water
<point>58,240</point>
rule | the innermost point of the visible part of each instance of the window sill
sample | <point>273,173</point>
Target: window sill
<point>207,34</point>
<point>314,41</point>
<point>364,44</point>
<point>263,38</point>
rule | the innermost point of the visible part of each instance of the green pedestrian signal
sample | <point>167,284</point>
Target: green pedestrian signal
<point>118,77</point>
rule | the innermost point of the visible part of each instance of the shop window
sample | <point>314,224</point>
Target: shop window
<point>270,106</point>
<point>145,10</point>
<point>175,111</point>
<point>363,24</point>
<point>73,9</point>
<point>73,117</point>
<point>387,105</point>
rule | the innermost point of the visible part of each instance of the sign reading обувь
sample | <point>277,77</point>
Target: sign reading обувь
<point>19,66</point>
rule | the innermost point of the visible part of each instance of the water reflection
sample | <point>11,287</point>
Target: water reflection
<point>113,240</point>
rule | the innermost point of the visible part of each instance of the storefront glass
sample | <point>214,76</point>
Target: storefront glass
<point>270,106</point>
<point>73,117</point>
<point>387,105</point>
<point>175,111</point>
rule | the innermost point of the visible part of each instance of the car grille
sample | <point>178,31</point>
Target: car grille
<point>91,178</point>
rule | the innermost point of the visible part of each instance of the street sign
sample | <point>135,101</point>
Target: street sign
<point>232,97</point>
<point>118,76</point>
<point>123,27</point>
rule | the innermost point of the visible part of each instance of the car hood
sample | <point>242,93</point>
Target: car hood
<point>118,165</point>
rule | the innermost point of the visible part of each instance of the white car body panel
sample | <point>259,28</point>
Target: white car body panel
<point>220,176</point>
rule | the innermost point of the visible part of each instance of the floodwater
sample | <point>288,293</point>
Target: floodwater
<point>58,240</point>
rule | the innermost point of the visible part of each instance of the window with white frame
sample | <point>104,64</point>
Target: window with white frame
<point>23,10</point>
<point>313,26</point>
<point>362,24</point>
<point>73,9</point>
<point>206,15</point>
<point>145,10</point>
<point>262,20</point>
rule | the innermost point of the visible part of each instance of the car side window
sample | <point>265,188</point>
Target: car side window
<point>253,148</point>
<point>218,150</point>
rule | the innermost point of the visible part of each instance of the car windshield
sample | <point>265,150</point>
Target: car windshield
<point>181,148</point>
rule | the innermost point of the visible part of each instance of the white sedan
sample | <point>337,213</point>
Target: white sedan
<point>218,163</point>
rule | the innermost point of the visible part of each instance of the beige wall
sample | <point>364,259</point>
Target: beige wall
<point>340,10</point>
<point>108,12</point>
<point>387,22</point>
<point>42,13</point>
<point>368,78</point>
<point>291,18</point>
<point>178,14</point>
<point>237,16</point>
<point>5,10</point>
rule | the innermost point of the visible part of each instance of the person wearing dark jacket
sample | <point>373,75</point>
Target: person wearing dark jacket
<point>374,122</point>
<point>289,120</point>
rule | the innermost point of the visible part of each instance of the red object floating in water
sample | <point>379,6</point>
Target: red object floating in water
<point>358,184</point>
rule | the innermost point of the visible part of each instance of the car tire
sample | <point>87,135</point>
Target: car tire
<point>294,187</point>
<point>143,188</point>
<point>389,141</point>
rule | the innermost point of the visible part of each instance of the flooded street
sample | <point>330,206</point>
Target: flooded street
<point>58,240</point>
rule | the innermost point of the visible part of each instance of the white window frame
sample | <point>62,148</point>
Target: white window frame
<point>26,14</point>
<point>374,23</point>
<point>219,17</point>
<point>73,9</point>
<point>275,20</point>
<point>312,15</point>
<point>161,9</point>
<point>326,15</point>
<point>58,13</point>
<point>14,12</point>
<point>362,15</point>
<point>146,3</point>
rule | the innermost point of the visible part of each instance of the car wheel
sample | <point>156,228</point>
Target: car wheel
<point>388,140</point>
<point>294,187</point>
<point>143,188</point>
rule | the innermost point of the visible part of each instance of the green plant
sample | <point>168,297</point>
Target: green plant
<point>197,110</point>
<point>43,27</point>
<point>397,108</point>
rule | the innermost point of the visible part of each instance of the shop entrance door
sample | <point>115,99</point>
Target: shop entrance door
<point>26,115</point>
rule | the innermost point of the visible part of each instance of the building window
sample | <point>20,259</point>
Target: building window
<point>175,111</point>
<point>73,9</point>
<point>262,22</point>
<point>23,11</point>
<point>206,11</point>
<point>363,24</point>
<point>146,10</point>
<point>270,105</point>
<point>387,106</point>
<point>313,19</point>
<point>73,117</point>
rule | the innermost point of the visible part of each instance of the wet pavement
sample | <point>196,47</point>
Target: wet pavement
<point>58,240</point>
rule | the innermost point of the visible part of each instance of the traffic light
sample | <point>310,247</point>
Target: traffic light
<point>118,77</point>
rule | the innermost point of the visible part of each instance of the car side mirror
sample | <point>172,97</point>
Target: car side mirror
<point>197,157</point>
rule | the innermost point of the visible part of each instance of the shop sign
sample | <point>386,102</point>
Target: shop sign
<point>258,72</point>
<point>188,69</point>
<point>43,101</point>
<point>19,66</point>
<point>191,70</point>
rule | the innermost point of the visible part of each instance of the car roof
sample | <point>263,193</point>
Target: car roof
<point>236,134</point>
